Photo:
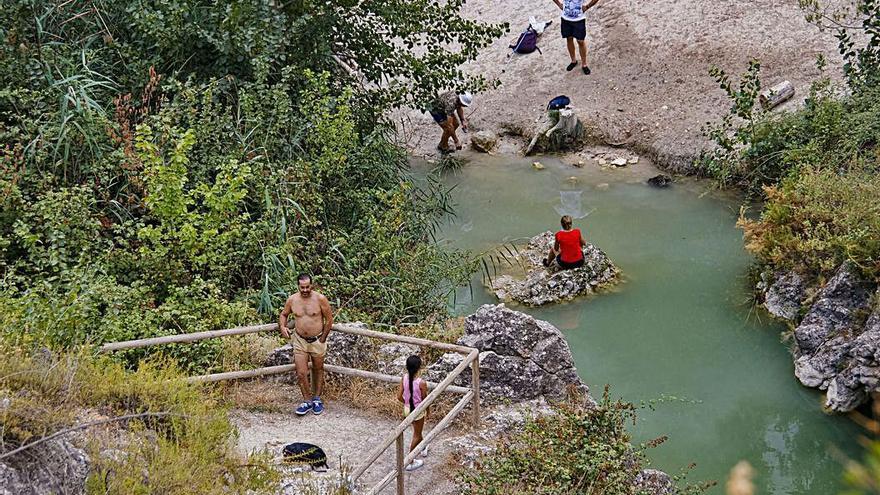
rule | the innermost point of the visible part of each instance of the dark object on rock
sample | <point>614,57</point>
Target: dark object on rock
<point>661,180</point>
<point>306,453</point>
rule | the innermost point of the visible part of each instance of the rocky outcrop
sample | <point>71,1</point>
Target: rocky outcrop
<point>521,358</point>
<point>51,467</point>
<point>549,285</point>
<point>785,295</point>
<point>834,348</point>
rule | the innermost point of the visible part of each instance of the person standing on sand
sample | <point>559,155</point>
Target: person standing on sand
<point>574,27</point>
<point>312,321</point>
<point>444,111</point>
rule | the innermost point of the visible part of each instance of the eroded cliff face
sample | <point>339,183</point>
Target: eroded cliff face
<point>837,342</point>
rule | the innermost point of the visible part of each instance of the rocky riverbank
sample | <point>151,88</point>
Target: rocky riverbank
<point>836,336</point>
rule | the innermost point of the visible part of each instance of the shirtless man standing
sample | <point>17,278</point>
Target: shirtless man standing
<point>312,321</point>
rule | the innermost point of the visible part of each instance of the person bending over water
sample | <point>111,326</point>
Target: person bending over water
<point>411,392</point>
<point>567,247</point>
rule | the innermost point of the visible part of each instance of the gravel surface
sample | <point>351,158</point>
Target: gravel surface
<point>649,86</point>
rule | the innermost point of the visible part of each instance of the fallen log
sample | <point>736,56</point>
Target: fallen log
<point>776,94</point>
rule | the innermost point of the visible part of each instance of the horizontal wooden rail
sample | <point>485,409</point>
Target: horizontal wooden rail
<point>289,368</point>
<point>425,441</point>
<point>273,327</point>
<point>426,402</point>
<point>186,337</point>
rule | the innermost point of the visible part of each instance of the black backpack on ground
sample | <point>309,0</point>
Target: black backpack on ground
<point>306,453</point>
<point>527,42</point>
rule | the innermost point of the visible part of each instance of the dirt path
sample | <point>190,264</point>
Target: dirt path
<point>346,435</point>
<point>649,85</point>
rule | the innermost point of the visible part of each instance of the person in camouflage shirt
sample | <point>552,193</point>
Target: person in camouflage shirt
<point>448,112</point>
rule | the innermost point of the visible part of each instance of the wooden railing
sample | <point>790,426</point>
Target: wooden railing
<point>471,395</point>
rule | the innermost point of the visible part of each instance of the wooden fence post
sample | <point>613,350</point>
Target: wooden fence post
<point>401,488</point>
<point>475,383</point>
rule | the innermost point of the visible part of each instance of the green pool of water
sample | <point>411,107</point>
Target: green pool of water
<point>679,326</point>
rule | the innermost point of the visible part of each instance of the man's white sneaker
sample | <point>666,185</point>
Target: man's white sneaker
<point>415,465</point>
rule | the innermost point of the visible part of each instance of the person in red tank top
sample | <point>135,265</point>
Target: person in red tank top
<point>566,248</point>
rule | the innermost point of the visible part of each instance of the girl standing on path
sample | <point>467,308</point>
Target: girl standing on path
<point>411,392</point>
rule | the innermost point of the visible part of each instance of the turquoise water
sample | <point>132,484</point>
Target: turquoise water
<point>679,327</point>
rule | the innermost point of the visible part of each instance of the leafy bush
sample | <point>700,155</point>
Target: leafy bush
<point>171,167</point>
<point>574,450</point>
<point>817,165</point>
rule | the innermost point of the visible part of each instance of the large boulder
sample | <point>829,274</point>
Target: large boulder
<point>521,358</point>
<point>49,468</point>
<point>835,311</point>
<point>835,348</point>
<point>549,285</point>
<point>861,375</point>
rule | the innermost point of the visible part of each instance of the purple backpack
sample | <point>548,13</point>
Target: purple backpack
<point>527,42</point>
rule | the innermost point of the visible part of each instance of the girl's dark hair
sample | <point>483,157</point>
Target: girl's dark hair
<point>565,221</point>
<point>413,365</point>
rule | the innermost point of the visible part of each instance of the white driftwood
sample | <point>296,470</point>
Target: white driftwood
<point>564,121</point>
<point>776,94</point>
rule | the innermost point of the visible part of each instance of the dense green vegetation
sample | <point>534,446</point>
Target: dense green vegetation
<point>817,166</point>
<point>188,451</point>
<point>576,449</point>
<point>171,167</point>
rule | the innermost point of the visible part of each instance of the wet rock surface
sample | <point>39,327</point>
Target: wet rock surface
<point>540,285</point>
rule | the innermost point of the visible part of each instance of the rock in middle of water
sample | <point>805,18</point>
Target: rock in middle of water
<point>549,285</point>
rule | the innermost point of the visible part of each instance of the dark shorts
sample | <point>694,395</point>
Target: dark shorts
<point>439,117</point>
<point>574,29</point>
<point>569,266</point>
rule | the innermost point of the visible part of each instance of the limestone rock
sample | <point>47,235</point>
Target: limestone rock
<point>619,162</point>
<point>549,285</point>
<point>784,297</point>
<point>484,141</point>
<point>861,376</point>
<point>392,357</point>
<point>833,349</point>
<point>52,467</point>
<point>654,482</point>
<point>834,311</point>
<point>521,358</point>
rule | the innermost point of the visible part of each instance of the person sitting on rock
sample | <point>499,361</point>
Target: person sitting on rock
<point>567,248</point>
<point>444,111</point>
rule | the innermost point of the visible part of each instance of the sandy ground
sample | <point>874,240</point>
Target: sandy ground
<point>346,435</point>
<point>649,86</point>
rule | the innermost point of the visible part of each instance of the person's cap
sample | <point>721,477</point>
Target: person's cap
<point>466,99</point>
